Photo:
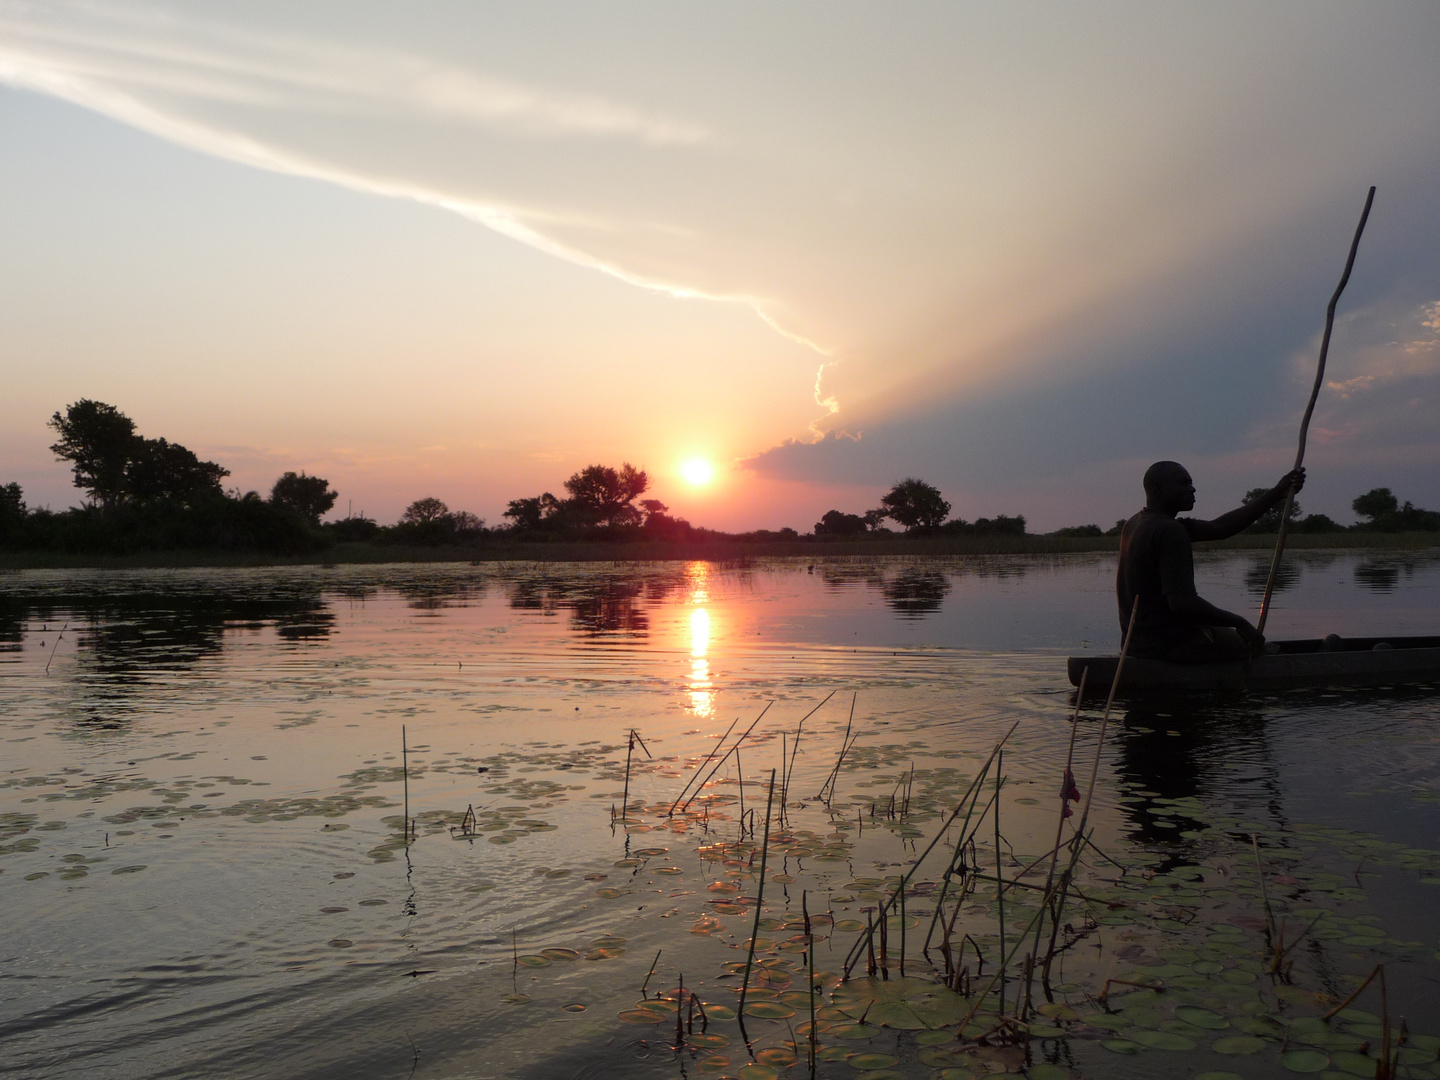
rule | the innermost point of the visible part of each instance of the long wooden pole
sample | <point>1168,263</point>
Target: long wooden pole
<point>1309,409</point>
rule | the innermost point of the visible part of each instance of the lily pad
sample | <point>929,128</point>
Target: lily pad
<point>854,1032</point>
<point>778,1057</point>
<point>1161,1040</point>
<point>1120,1046</point>
<point>533,960</point>
<point>1045,1071</point>
<point>937,1057</point>
<point>1353,1063</point>
<point>1239,1045</point>
<point>1305,1061</point>
<point>768,1010</point>
<point>1201,1018</point>
<point>908,1004</point>
<point>874,1061</point>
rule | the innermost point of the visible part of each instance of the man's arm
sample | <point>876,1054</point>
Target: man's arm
<point>1242,517</point>
<point>1205,613</point>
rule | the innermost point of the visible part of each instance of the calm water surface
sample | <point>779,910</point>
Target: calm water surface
<point>204,869</point>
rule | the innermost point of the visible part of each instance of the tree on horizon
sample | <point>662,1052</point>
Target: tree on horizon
<point>114,465</point>
<point>1375,504</point>
<point>308,496</point>
<point>915,504</point>
<point>95,438</point>
<point>600,495</point>
<point>426,511</point>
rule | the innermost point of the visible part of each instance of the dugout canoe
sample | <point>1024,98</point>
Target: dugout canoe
<point>1312,662</point>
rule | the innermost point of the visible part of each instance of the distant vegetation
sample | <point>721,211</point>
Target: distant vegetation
<point>151,495</point>
<point>921,510</point>
<point>1378,509</point>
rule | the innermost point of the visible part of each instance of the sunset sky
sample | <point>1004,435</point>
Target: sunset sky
<point>1020,250</point>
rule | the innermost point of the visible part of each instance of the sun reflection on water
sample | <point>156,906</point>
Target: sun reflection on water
<point>702,690</point>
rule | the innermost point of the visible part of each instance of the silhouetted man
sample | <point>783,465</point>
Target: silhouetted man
<point>1173,623</point>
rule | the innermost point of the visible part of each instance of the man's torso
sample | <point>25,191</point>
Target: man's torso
<point>1155,563</point>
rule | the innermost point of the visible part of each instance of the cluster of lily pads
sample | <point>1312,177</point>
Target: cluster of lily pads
<point>1205,954</point>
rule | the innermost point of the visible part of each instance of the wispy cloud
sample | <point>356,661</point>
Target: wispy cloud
<point>80,47</point>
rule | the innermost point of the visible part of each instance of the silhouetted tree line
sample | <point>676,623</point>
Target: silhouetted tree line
<point>1378,509</point>
<point>149,494</point>
<point>921,510</point>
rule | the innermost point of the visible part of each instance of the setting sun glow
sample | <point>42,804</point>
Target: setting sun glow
<point>697,471</point>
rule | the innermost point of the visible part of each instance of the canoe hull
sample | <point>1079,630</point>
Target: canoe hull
<point>1298,664</point>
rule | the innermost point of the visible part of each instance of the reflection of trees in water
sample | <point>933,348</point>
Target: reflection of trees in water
<point>613,604</point>
<point>123,642</point>
<point>1383,575</point>
<point>435,596</point>
<point>12,626</point>
<point>1258,572</point>
<point>133,635</point>
<point>914,592</point>
<point>838,576</point>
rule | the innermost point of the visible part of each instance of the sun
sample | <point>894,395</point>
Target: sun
<point>697,471</point>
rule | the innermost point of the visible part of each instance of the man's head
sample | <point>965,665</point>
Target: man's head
<point>1168,488</point>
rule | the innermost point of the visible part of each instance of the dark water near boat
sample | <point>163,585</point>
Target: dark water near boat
<point>204,872</point>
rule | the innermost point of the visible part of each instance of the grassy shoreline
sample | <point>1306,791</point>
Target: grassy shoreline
<point>709,551</point>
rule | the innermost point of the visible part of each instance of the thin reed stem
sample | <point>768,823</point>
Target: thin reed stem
<point>810,977</point>
<point>845,744</point>
<point>740,782</point>
<point>999,888</point>
<point>625,798</point>
<point>1059,902</point>
<point>1067,790</point>
<point>701,767</point>
<point>854,953</point>
<point>720,764</point>
<point>759,904</point>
